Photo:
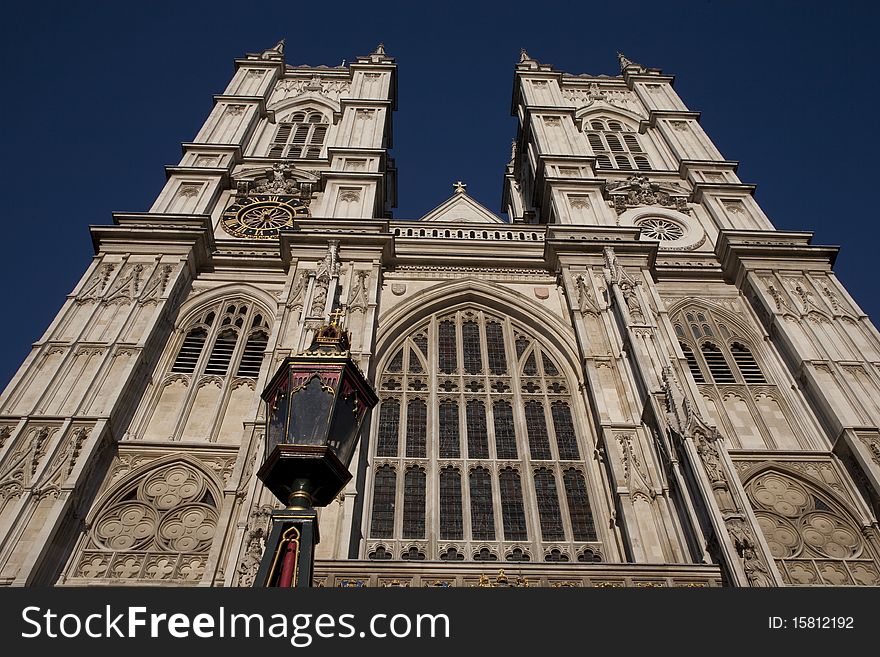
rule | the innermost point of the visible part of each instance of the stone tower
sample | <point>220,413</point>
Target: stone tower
<point>635,380</point>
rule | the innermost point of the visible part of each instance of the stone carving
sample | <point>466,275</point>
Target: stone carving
<point>155,287</point>
<point>744,542</point>
<point>626,63</point>
<point>297,294</point>
<point>585,301</point>
<point>781,304</point>
<point>357,299</point>
<point>188,191</point>
<point>584,96</point>
<point>579,202</point>
<point>634,475</point>
<point>278,180</point>
<point>159,526</point>
<point>22,464</point>
<point>349,195</point>
<point>5,432</point>
<point>126,286</point>
<point>626,284</point>
<point>92,289</point>
<point>873,446</point>
<point>275,52</point>
<point>398,289</point>
<point>638,190</point>
<point>329,267</point>
<point>552,121</point>
<point>332,88</point>
<point>234,110</point>
<point>62,464</point>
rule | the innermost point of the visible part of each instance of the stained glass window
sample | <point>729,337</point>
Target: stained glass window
<point>505,435</point>
<point>582,525</point>
<point>475,412</point>
<point>564,427</point>
<point>446,347</point>
<point>470,337</point>
<point>478,437</point>
<point>382,518</point>
<point>389,428</point>
<point>449,444</point>
<point>536,425</point>
<point>495,348</point>
<point>451,519</point>
<point>416,429</point>
<point>548,506</point>
<point>513,514</point>
<point>482,508</point>
<point>414,503</point>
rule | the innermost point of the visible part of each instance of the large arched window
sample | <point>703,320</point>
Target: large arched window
<point>300,136</point>
<point>475,448</point>
<point>615,145</point>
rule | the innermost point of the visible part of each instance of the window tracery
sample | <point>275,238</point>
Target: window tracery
<point>813,542</point>
<point>490,442</point>
<point>156,526</point>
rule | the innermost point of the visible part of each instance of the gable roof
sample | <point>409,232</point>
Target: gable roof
<point>461,208</point>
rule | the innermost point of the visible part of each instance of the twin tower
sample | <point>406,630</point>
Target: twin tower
<point>634,380</point>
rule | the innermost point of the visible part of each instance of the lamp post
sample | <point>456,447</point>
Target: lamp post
<point>316,402</point>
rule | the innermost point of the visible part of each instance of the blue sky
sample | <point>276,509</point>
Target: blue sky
<point>99,96</point>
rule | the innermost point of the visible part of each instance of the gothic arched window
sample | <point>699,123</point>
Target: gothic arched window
<point>723,358</point>
<point>300,136</point>
<point>615,145</point>
<point>211,381</point>
<point>237,335</point>
<point>741,399</point>
<point>491,456</point>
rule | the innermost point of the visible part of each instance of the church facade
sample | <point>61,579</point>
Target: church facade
<point>635,380</point>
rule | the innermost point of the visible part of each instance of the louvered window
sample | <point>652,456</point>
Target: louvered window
<point>252,357</point>
<point>190,351</point>
<point>300,136</point>
<point>692,363</point>
<point>616,146</point>
<point>221,354</point>
<point>717,364</point>
<point>744,360</point>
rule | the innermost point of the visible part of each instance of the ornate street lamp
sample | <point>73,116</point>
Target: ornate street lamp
<point>316,401</point>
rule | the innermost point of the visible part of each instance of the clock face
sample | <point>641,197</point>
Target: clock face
<point>262,216</point>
